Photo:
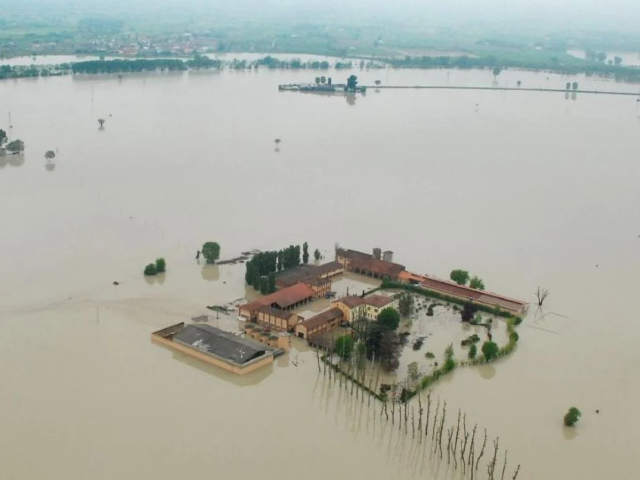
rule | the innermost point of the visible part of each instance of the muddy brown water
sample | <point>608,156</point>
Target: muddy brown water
<point>524,189</point>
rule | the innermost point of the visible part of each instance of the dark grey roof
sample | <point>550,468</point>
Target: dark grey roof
<point>214,341</point>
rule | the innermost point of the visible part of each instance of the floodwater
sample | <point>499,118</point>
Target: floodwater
<point>521,188</point>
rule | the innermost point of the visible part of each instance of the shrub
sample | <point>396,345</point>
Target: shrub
<point>211,251</point>
<point>429,355</point>
<point>514,337</point>
<point>161,265</point>
<point>572,416</point>
<point>344,346</point>
<point>517,320</point>
<point>473,351</point>
<point>389,318</point>
<point>490,350</point>
<point>417,345</point>
<point>150,270</point>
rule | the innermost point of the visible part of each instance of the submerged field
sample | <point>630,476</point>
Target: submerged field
<point>524,189</point>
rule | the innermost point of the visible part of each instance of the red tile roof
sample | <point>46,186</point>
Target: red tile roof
<point>350,301</point>
<point>283,298</point>
<point>378,301</point>
<point>379,267</point>
<point>325,317</point>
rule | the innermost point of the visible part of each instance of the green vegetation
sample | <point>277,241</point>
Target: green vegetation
<point>473,351</point>
<point>389,318</point>
<point>3,137</point>
<point>161,265</point>
<point>352,83</point>
<point>15,147</point>
<point>150,270</point>
<point>263,264</point>
<point>417,345</point>
<point>470,340</point>
<point>305,252</point>
<point>317,255</point>
<point>449,361</point>
<point>121,66</point>
<point>572,417</point>
<point>344,346</point>
<point>211,251</point>
<point>405,304</point>
<point>50,155</point>
<point>477,283</point>
<point>490,350</point>
<point>461,277</point>
<point>389,284</point>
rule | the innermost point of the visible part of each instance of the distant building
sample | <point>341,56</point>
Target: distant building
<point>215,346</point>
<point>321,323</point>
<point>365,264</point>
<point>278,340</point>
<point>316,276</point>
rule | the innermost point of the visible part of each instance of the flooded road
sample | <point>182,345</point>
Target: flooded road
<point>523,189</point>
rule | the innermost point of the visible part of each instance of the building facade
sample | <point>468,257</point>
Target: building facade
<point>275,319</point>
<point>318,324</point>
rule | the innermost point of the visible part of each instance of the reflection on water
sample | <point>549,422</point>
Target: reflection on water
<point>569,432</point>
<point>487,371</point>
<point>50,166</point>
<point>210,273</point>
<point>14,160</point>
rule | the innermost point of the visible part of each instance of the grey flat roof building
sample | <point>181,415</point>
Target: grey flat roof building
<point>216,342</point>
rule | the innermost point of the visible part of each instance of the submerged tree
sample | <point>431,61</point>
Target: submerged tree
<point>542,294</point>
<point>317,255</point>
<point>389,318</point>
<point>477,283</point>
<point>3,137</point>
<point>150,270</point>
<point>161,265</point>
<point>344,346</point>
<point>211,251</point>
<point>490,350</point>
<point>461,277</point>
<point>352,83</point>
<point>572,417</point>
<point>405,304</point>
<point>468,312</point>
<point>50,155</point>
<point>305,252</point>
<point>101,122</point>
<point>17,146</point>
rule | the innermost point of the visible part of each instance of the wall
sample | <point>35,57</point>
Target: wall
<point>250,367</point>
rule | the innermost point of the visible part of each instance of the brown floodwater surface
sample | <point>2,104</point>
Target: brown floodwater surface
<point>521,188</point>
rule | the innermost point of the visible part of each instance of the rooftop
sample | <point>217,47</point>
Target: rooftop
<point>322,318</point>
<point>213,341</point>
<point>275,312</point>
<point>378,301</point>
<point>380,267</point>
<point>350,301</point>
<point>284,298</point>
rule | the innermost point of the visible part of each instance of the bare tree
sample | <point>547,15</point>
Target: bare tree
<point>484,444</point>
<point>542,293</point>
<point>504,467</point>
<point>515,475</point>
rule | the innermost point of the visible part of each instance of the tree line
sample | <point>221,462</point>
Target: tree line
<point>601,69</point>
<point>261,269</point>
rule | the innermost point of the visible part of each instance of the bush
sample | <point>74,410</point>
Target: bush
<point>473,351</point>
<point>150,270</point>
<point>417,345</point>
<point>572,416</point>
<point>344,346</point>
<point>211,251</point>
<point>517,320</point>
<point>161,265</point>
<point>429,355</point>
<point>490,350</point>
<point>514,337</point>
<point>389,318</point>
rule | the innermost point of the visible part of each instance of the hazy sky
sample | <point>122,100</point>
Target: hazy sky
<point>612,14</point>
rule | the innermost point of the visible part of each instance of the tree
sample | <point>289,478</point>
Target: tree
<point>405,304</point>
<point>572,417</point>
<point>161,265</point>
<point>490,350</point>
<point>280,261</point>
<point>389,318</point>
<point>519,83</point>
<point>601,57</point>
<point>17,146</point>
<point>574,85</point>
<point>271,282</point>
<point>568,85</point>
<point>150,270</point>
<point>449,361</point>
<point>3,137</point>
<point>317,80</point>
<point>477,283</point>
<point>101,122</point>
<point>496,71</point>
<point>468,312</point>
<point>323,80</point>
<point>378,83</point>
<point>305,253</point>
<point>413,373</point>
<point>542,294</point>
<point>461,277</point>
<point>389,349</point>
<point>211,251</point>
<point>344,346</point>
<point>50,155</point>
<point>317,255</point>
<point>473,351</point>
<point>617,61</point>
<point>352,83</point>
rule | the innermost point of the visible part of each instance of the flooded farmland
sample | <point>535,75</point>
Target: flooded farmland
<point>521,188</point>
